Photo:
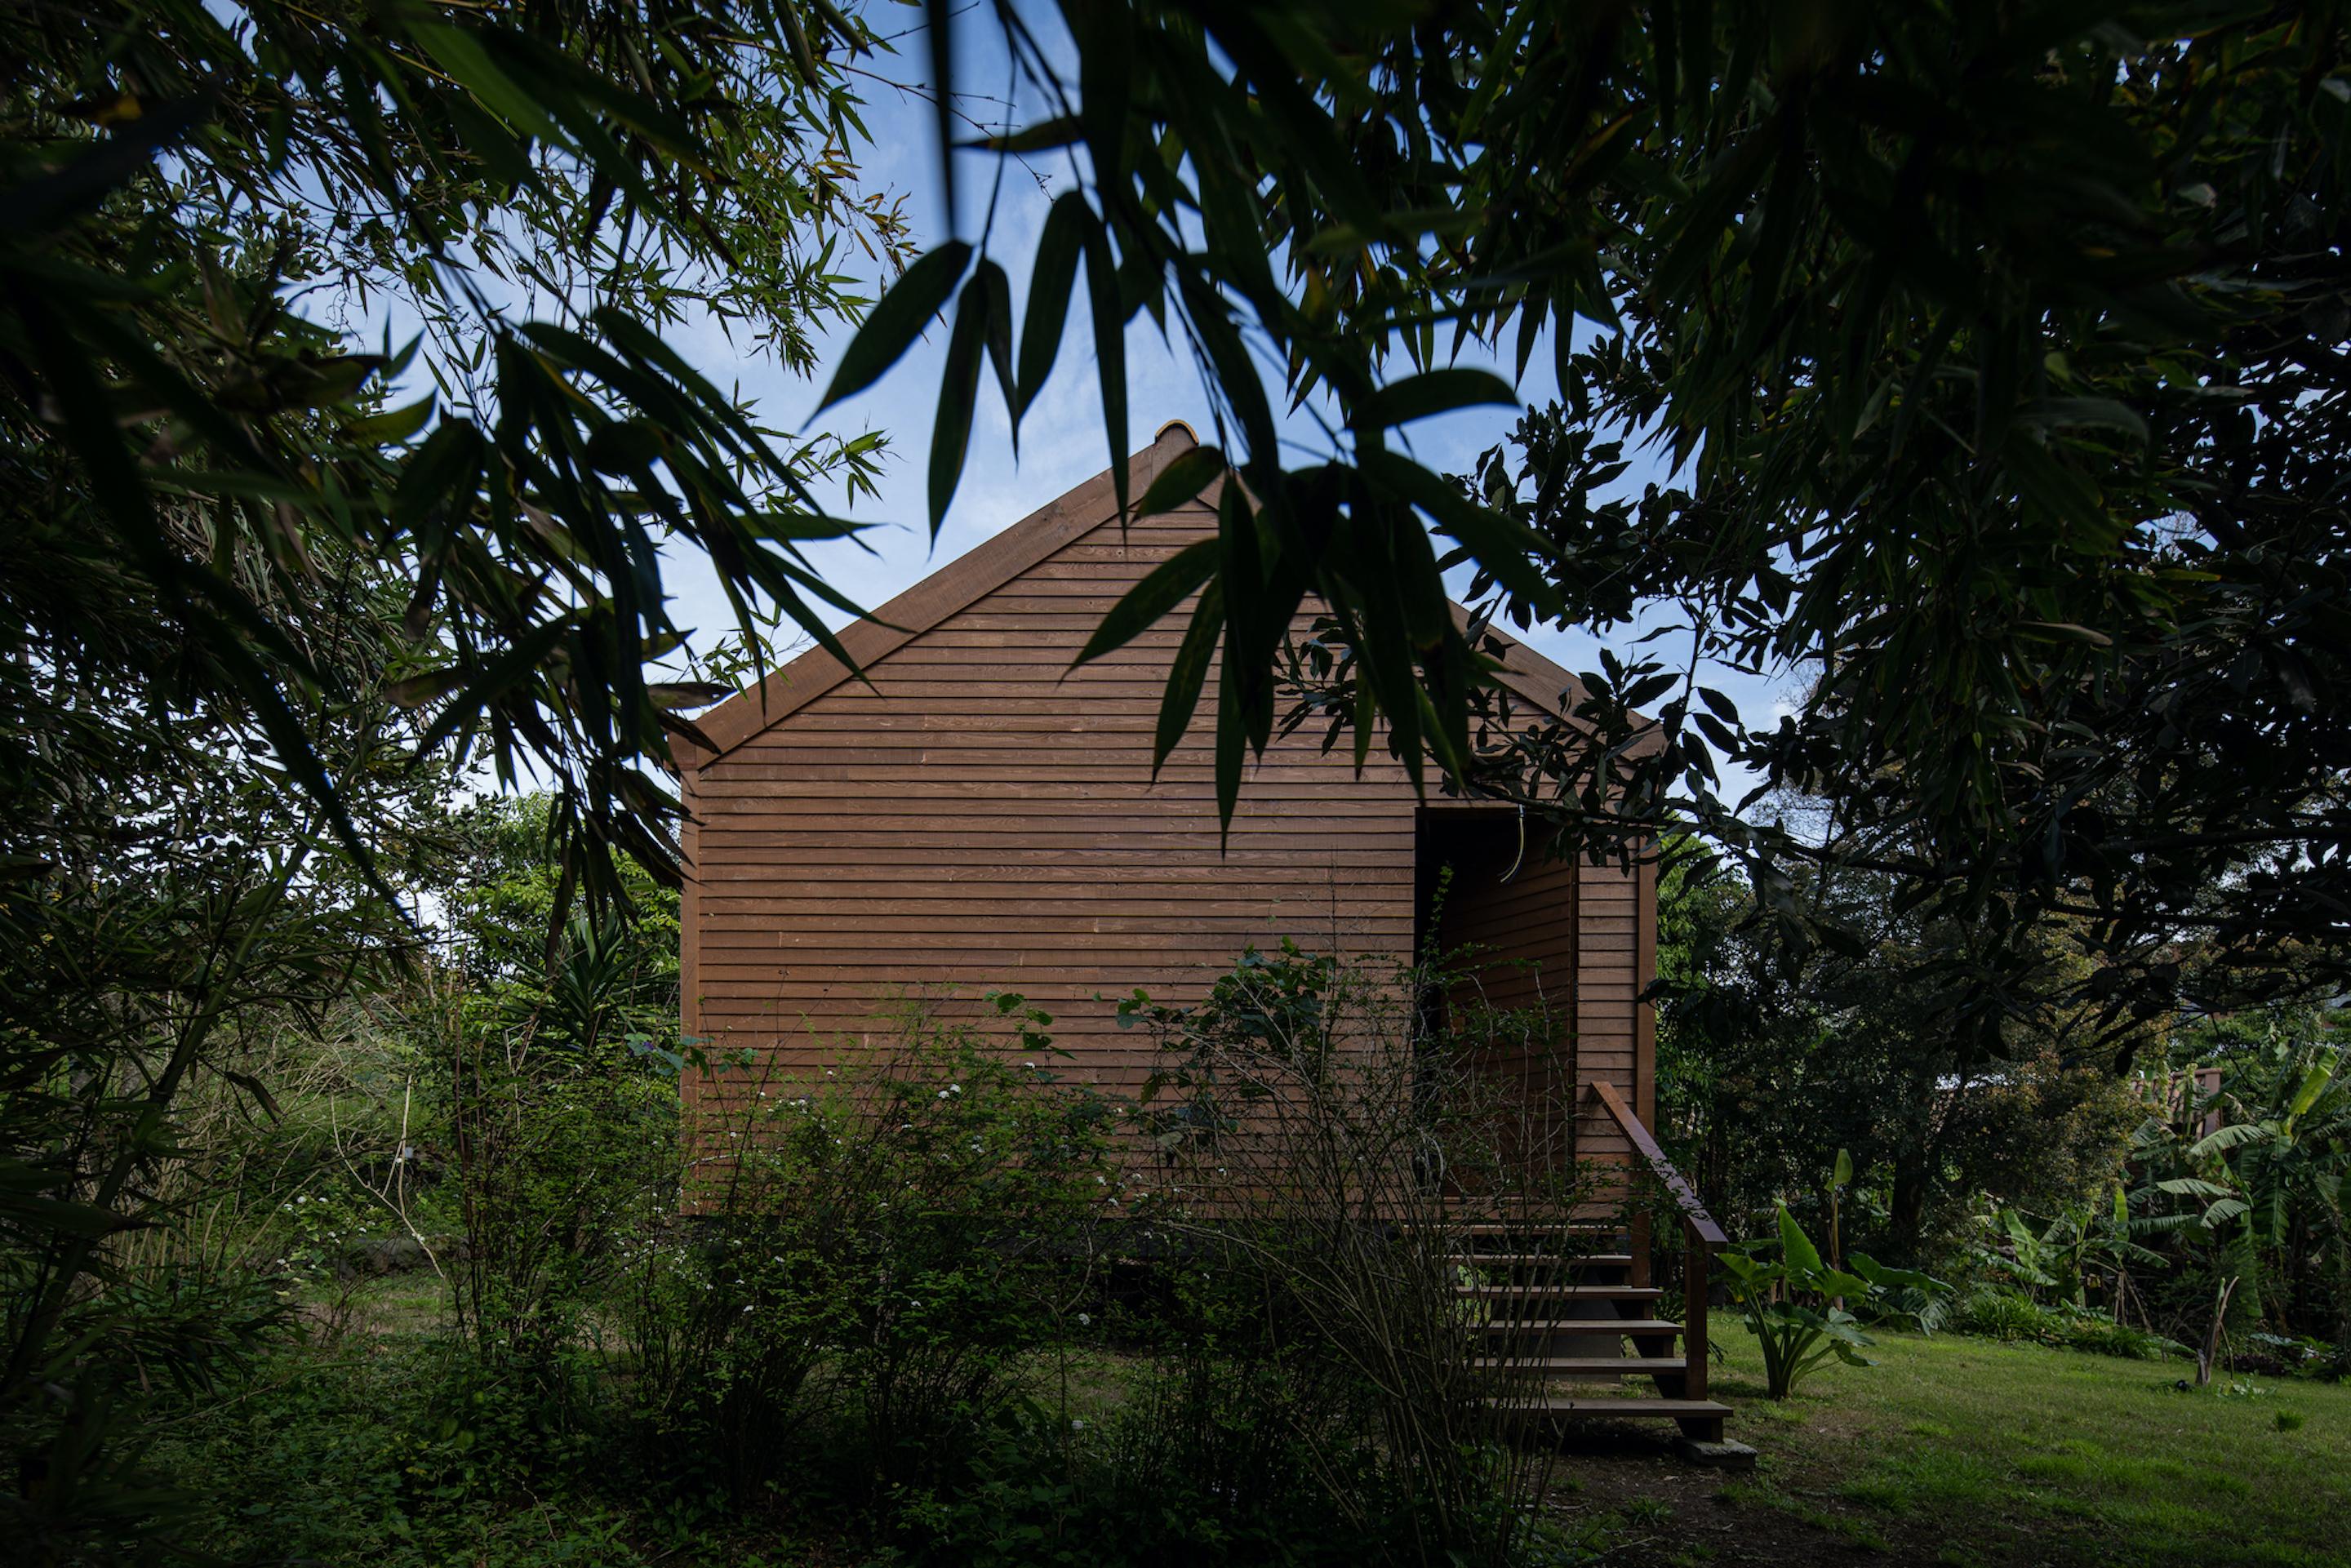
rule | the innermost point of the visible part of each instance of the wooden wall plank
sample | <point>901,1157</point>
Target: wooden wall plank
<point>968,812</point>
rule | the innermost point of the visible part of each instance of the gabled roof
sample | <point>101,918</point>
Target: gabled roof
<point>990,566</point>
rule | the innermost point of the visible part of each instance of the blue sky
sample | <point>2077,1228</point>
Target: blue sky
<point>1062,443</point>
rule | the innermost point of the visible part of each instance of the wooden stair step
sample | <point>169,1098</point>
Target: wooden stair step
<point>1586,1365</point>
<point>1563,1293</point>
<point>1529,1227</point>
<point>1577,1404</point>
<point>1632,1328</point>
<point>1547,1260</point>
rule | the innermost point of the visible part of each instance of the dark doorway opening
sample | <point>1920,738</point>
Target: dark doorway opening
<point>1497,912</point>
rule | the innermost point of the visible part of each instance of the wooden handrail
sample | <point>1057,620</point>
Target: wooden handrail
<point>1703,1236</point>
<point>1700,1224</point>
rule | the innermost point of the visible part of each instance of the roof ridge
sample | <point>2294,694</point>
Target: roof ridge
<point>981,570</point>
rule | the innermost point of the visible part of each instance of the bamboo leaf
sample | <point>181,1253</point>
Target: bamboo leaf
<point>1052,275</point>
<point>939,26</point>
<point>897,321</point>
<point>1110,347</point>
<point>958,389</point>
<point>1430,393</point>
<point>1188,673</point>
<point>1166,585</point>
<point>1185,479</point>
<point>989,279</point>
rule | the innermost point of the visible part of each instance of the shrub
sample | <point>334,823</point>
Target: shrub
<point>1316,1151</point>
<point>1793,1306</point>
<point>2294,1355</point>
<point>1993,1312</point>
<point>1202,1463</point>
<point>889,1246</point>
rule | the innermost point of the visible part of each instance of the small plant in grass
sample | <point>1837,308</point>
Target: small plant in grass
<point>1993,1312</point>
<point>1793,1304</point>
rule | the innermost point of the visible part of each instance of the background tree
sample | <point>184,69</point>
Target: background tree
<point>342,449</point>
<point>1886,1042</point>
<point>2244,1182</point>
<point>186,182</point>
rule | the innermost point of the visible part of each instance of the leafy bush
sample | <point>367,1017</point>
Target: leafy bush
<point>562,1090</point>
<point>2296,1356</point>
<point>891,1245</point>
<point>1317,1149</point>
<point>1994,1312</point>
<point>1197,1466</point>
<point>1794,1305</point>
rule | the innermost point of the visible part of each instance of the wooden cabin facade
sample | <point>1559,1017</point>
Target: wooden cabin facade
<point>971,813</point>
<point>974,814</point>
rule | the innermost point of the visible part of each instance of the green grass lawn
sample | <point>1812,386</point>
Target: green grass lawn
<point>1965,1451</point>
<point>1949,1451</point>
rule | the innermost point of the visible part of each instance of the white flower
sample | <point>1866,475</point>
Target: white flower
<point>1077,1426</point>
<point>1085,1320</point>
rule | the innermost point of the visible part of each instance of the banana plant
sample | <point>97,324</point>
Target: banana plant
<point>2292,1153</point>
<point>2288,1145</point>
<point>2265,1188</point>
<point>1790,1304</point>
<point>2063,1257</point>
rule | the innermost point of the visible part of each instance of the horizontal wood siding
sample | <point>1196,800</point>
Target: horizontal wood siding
<point>972,813</point>
<point>1610,977</point>
<point>977,815</point>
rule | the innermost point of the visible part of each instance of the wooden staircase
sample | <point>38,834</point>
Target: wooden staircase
<point>1567,1305</point>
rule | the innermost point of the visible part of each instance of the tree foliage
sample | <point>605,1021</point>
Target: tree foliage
<point>2245,1182</point>
<point>342,448</point>
<point>1900,1041</point>
<point>1995,352</point>
<point>202,203</point>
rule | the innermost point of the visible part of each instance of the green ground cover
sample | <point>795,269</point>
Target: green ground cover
<point>1949,1451</point>
<point>1968,1451</point>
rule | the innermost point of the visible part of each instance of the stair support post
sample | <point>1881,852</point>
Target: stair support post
<point>1695,1286</point>
<point>1702,1236</point>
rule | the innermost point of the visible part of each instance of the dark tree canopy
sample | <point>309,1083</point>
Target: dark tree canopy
<point>1996,350</point>
<point>200,198</point>
<point>262,604</point>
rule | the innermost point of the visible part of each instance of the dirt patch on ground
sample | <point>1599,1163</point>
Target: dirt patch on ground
<point>1638,1503</point>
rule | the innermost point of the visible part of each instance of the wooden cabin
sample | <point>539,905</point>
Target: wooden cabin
<point>976,814</point>
<point>970,812</point>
